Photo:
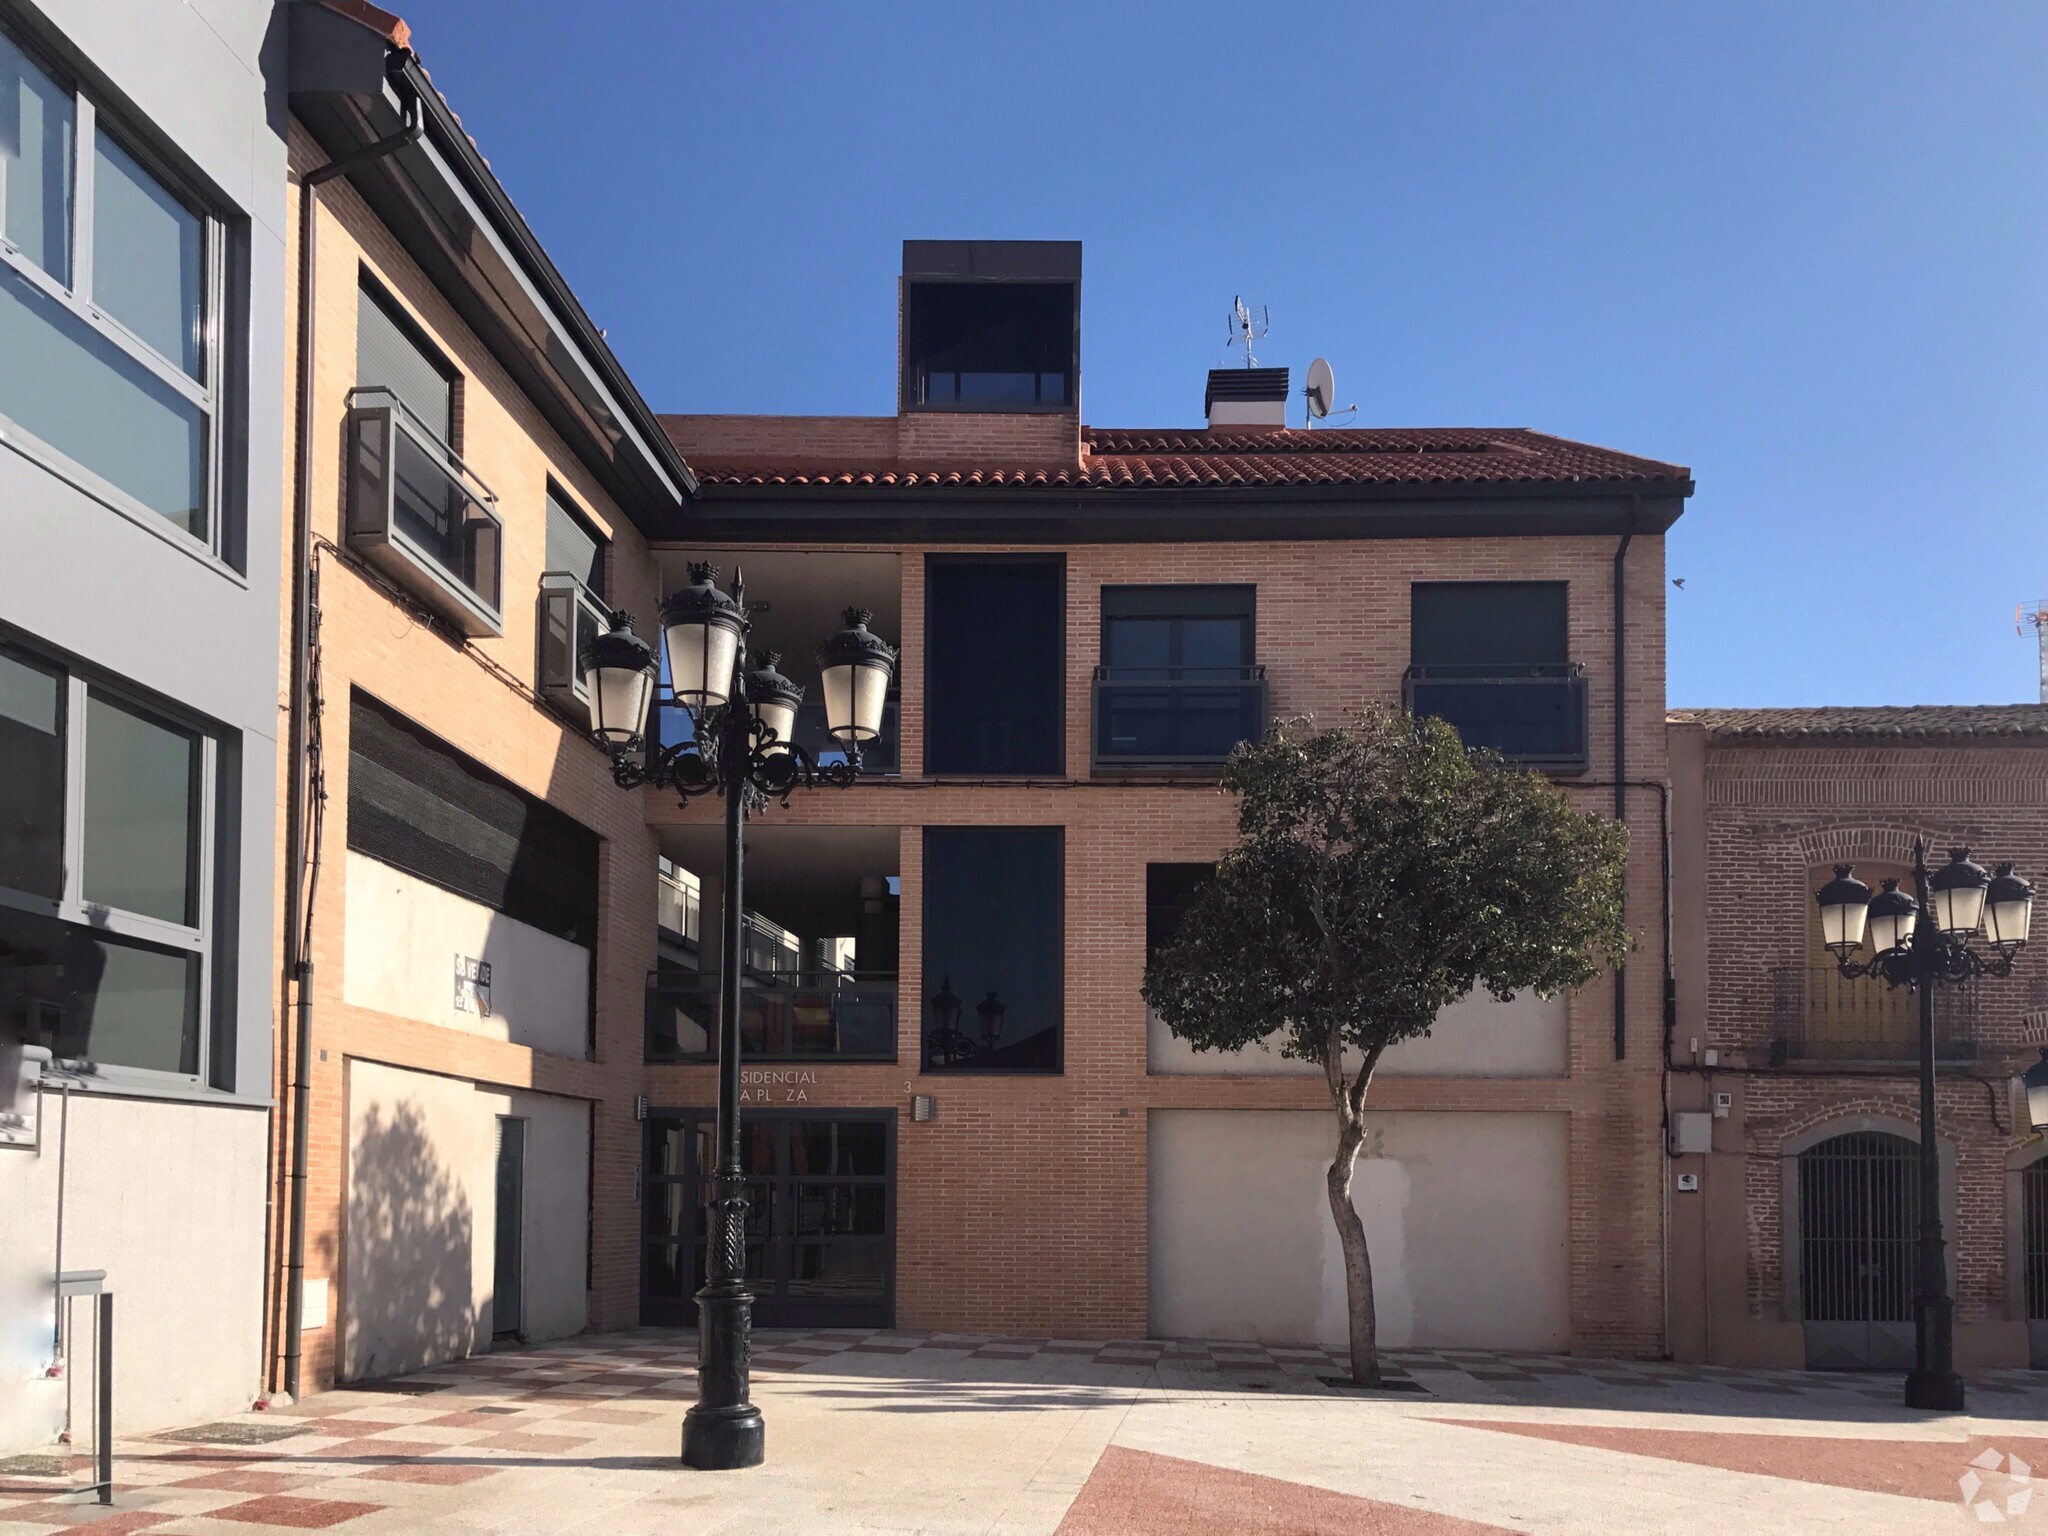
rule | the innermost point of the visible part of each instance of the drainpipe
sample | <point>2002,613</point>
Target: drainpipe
<point>1621,749</point>
<point>298,924</point>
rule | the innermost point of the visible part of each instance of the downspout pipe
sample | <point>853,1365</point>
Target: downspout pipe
<point>1635,512</point>
<point>297,924</point>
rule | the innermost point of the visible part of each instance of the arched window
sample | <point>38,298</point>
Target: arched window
<point>1859,1213</point>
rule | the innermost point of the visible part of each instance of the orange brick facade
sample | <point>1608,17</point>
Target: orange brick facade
<point>1758,824</point>
<point>1023,1207</point>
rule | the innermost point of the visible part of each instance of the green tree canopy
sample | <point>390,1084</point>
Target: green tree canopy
<point>1382,872</point>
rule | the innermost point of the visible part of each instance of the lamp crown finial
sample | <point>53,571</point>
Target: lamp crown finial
<point>858,618</point>
<point>702,573</point>
<point>1844,871</point>
<point>1958,855</point>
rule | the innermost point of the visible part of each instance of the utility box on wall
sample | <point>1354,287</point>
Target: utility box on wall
<point>1693,1131</point>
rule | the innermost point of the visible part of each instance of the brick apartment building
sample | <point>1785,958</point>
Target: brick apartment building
<point>1089,617</point>
<point>472,477</point>
<point>505,946</point>
<point>1795,1248</point>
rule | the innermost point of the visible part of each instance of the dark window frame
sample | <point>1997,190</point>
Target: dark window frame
<point>680,1311</point>
<point>1172,601</point>
<point>926,987</point>
<point>560,496</point>
<point>909,393</point>
<point>213,848</point>
<point>1056,562</point>
<point>1182,870</point>
<point>1563,648</point>
<point>372,287</point>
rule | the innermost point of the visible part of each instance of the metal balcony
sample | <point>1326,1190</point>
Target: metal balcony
<point>418,514</point>
<point>1535,715</point>
<point>1162,718</point>
<point>570,615</point>
<point>1820,1015</point>
<point>844,1016</point>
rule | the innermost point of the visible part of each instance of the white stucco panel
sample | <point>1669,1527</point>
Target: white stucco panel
<point>167,1197</point>
<point>1477,1036</point>
<point>406,940</point>
<point>421,1218</point>
<point>1466,1220</point>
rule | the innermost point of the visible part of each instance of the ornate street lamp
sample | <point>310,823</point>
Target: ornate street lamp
<point>1923,941</point>
<point>2035,1081</point>
<point>946,1045</point>
<point>742,746</point>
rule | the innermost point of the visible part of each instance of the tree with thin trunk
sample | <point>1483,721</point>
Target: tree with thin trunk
<point>1382,872</point>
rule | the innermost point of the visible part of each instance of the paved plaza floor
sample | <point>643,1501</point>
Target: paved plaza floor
<point>904,1432</point>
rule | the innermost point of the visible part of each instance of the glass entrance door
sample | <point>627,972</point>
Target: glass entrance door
<point>821,1216</point>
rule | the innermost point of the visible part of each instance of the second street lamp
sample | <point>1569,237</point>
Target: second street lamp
<point>742,746</point>
<point>1923,941</point>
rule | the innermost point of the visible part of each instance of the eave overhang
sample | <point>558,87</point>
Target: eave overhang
<point>349,87</point>
<point>827,514</point>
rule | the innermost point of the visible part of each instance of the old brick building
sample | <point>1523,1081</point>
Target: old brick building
<point>1795,1246</point>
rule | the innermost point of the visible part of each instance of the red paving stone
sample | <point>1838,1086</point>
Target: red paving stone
<point>469,1420</point>
<point>383,1450</point>
<point>441,1474</point>
<point>295,1514</point>
<point>243,1480</point>
<point>608,1416</point>
<point>119,1525</point>
<point>521,1440</point>
<point>1914,1469</point>
<point>1132,1492</point>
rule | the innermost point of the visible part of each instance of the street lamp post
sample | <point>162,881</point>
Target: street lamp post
<point>742,745</point>
<point>1923,941</point>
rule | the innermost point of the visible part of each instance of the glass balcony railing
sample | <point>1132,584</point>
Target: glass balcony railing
<point>1175,717</point>
<point>1533,715</point>
<point>845,1016</point>
<point>418,514</point>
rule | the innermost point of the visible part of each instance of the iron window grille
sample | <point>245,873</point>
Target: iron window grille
<point>417,513</point>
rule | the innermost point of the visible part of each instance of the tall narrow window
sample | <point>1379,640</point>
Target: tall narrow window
<point>573,545</point>
<point>995,666</point>
<point>112,371</point>
<point>993,949</point>
<point>391,354</point>
<point>1169,889</point>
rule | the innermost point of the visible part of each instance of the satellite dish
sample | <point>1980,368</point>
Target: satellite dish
<point>1321,388</point>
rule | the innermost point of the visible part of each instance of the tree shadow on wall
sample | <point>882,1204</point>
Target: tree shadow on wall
<point>409,1235</point>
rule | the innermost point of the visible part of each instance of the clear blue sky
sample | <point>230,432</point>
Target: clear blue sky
<point>1801,248</point>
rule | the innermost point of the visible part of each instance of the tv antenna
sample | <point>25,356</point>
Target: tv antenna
<point>2036,615</point>
<point>1248,324</point>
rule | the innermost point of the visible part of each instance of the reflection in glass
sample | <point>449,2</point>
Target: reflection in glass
<point>36,128</point>
<point>85,994</point>
<point>89,400</point>
<point>147,267</point>
<point>141,822</point>
<point>31,778</point>
<point>828,1271</point>
<point>992,928</point>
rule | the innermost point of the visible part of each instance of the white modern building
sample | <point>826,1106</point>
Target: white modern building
<point>142,288</point>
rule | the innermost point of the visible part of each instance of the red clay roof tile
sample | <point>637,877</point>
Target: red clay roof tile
<point>1124,458</point>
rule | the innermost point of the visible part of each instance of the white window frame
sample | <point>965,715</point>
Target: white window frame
<point>71,906</point>
<point>206,393</point>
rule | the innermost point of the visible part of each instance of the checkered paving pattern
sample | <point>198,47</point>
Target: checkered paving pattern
<point>349,1454</point>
